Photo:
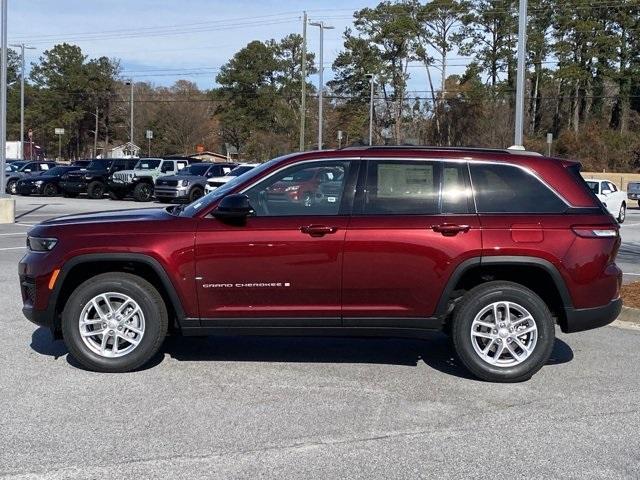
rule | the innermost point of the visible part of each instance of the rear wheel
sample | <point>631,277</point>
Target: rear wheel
<point>143,192</point>
<point>114,322</point>
<point>622,214</point>
<point>195,193</point>
<point>95,190</point>
<point>50,190</point>
<point>503,332</point>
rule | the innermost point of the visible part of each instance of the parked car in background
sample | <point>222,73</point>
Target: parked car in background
<point>13,166</point>
<point>633,191</point>
<point>189,183</point>
<point>93,179</point>
<point>615,200</point>
<point>47,183</point>
<point>28,168</point>
<point>308,187</point>
<point>140,181</point>
<point>216,182</point>
<point>492,247</point>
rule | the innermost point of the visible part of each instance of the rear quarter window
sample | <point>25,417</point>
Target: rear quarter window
<point>508,189</point>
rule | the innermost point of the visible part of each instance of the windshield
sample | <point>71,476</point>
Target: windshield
<point>99,165</point>
<point>634,187</point>
<point>14,166</point>
<point>195,169</point>
<point>240,170</point>
<point>594,187</point>
<point>147,164</point>
<point>249,173</point>
<point>26,166</point>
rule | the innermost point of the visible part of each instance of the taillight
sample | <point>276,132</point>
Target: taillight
<point>596,231</point>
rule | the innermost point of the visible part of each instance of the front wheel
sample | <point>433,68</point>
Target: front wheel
<point>143,192</point>
<point>12,187</point>
<point>114,322</point>
<point>622,214</point>
<point>503,332</point>
<point>50,190</point>
<point>95,190</point>
<point>196,193</point>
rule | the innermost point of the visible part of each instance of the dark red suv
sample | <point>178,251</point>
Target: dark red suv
<point>492,247</point>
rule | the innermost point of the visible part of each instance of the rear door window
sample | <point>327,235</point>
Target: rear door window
<point>456,191</point>
<point>502,188</point>
<point>401,188</point>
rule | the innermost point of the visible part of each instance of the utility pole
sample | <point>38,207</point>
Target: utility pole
<point>7,204</point>
<point>22,48</point>
<point>303,99</point>
<point>371,78</point>
<point>322,27</point>
<point>520,81</point>
<point>95,134</point>
<point>130,82</point>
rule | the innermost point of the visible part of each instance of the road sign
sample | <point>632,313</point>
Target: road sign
<point>59,131</point>
<point>149,134</point>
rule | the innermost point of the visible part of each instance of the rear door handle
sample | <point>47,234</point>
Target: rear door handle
<point>318,230</point>
<point>450,229</point>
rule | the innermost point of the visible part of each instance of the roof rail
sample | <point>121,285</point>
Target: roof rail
<point>435,148</point>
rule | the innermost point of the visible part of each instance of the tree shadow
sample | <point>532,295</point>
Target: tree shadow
<point>434,349</point>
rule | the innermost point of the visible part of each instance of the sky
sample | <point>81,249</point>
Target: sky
<point>161,41</point>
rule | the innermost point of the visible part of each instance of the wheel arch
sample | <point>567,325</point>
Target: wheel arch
<point>82,267</point>
<point>537,274</point>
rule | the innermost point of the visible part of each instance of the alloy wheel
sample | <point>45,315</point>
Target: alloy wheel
<point>504,334</point>
<point>111,324</point>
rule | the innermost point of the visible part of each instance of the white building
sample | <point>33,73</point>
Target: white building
<point>126,150</point>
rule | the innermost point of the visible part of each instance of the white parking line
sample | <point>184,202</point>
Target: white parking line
<point>12,248</point>
<point>12,234</point>
<point>634,274</point>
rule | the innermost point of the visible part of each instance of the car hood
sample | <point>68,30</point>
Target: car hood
<point>119,216</point>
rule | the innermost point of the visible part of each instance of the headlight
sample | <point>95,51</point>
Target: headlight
<point>184,183</point>
<point>38,182</point>
<point>134,179</point>
<point>293,188</point>
<point>37,244</point>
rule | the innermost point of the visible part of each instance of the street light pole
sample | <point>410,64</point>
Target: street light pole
<point>303,99</point>
<point>520,81</point>
<point>322,27</point>
<point>371,78</point>
<point>22,48</point>
<point>7,205</point>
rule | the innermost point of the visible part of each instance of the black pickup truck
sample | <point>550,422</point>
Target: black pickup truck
<point>93,181</point>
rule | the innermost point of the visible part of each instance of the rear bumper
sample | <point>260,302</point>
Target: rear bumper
<point>580,319</point>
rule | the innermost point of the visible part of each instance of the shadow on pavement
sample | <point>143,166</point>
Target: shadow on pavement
<point>433,349</point>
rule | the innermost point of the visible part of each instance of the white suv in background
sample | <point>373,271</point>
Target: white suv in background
<point>215,182</point>
<point>615,200</point>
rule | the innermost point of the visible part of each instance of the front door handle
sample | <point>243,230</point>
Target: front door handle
<point>318,230</point>
<point>450,229</point>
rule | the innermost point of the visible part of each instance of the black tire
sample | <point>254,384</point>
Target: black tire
<point>69,194</point>
<point>116,195</point>
<point>622,214</point>
<point>143,192</point>
<point>195,193</point>
<point>12,187</point>
<point>151,304</point>
<point>49,190</point>
<point>95,190</point>
<point>480,297</point>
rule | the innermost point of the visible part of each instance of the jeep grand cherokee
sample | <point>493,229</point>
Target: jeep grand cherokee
<point>492,247</point>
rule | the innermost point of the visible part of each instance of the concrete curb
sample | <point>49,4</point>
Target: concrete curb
<point>628,318</point>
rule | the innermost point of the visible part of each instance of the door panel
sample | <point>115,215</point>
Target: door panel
<point>270,268</point>
<point>398,266</point>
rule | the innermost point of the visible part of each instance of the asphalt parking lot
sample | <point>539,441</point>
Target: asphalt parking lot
<point>310,408</point>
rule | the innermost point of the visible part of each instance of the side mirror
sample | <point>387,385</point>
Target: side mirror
<point>606,191</point>
<point>234,206</point>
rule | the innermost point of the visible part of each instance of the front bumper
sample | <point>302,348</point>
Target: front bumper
<point>28,189</point>
<point>74,187</point>
<point>171,192</point>
<point>120,187</point>
<point>581,319</point>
